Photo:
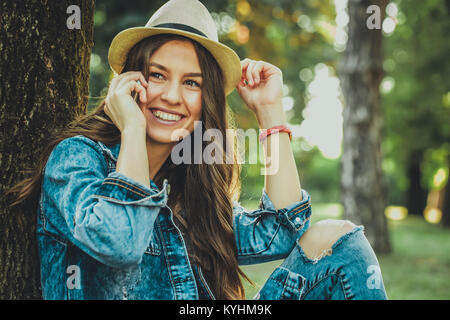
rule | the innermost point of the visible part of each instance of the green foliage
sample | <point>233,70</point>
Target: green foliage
<point>416,111</point>
<point>320,176</point>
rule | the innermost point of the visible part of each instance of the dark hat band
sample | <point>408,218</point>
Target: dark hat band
<point>181,27</point>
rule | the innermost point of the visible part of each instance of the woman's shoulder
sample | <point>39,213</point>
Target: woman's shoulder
<point>78,143</point>
<point>76,150</point>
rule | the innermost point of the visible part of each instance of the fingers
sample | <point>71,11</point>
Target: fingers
<point>249,73</point>
<point>141,91</point>
<point>133,75</point>
<point>252,72</point>
<point>258,70</point>
<point>244,67</point>
<point>120,80</point>
<point>125,84</point>
<point>245,63</point>
<point>127,77</point>
<point>120,106</point>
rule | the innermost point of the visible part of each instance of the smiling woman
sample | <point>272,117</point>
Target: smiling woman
<point>174,90</point>
<point>104,183</point>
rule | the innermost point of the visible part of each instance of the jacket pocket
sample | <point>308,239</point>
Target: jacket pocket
<point>282,285</point>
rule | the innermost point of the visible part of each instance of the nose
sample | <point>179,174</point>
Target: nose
<point>171,93</point>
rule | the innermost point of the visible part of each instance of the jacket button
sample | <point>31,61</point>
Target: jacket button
<point>297,222</point>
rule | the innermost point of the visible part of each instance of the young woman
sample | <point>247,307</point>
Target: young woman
<point>118,219</point>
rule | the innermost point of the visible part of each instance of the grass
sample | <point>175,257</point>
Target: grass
<point>417,269</point>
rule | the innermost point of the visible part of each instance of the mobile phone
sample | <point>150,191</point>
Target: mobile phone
<point>135,94</point>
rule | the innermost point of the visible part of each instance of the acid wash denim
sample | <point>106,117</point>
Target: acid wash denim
<point>102,235</point>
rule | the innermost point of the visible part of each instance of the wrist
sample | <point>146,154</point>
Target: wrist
<point>133,131</point>
<point>271,116</point>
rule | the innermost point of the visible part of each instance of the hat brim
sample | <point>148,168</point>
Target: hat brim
<point>227,59</point>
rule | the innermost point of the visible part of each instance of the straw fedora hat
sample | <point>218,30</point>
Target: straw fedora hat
<point>188,18</point>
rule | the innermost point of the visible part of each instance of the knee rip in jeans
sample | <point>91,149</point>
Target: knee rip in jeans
<point>318,240</point>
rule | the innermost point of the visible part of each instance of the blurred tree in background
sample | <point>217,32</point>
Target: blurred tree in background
<point>416,103</point>
<point>361,72</point>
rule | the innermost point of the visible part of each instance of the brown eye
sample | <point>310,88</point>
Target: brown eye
<point>192,83</point>
<point>156,75</point>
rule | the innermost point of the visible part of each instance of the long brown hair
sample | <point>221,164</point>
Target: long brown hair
<point>204,191</point>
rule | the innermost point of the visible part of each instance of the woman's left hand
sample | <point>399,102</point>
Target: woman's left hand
<point>261,86</point>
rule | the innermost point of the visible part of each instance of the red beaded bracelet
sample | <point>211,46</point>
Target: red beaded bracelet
<point>267,132</point>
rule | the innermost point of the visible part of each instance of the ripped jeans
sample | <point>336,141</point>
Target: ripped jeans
<point>348,270</point>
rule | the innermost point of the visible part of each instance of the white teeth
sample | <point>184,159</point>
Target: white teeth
<point>166,116</point>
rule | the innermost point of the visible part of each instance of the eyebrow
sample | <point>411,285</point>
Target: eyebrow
<point>190,74</point>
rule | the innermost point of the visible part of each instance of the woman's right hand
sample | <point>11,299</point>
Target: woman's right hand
<point>120,105</point>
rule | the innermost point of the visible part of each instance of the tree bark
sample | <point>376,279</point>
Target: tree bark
<point>360,71</point>
<point>44,67</point>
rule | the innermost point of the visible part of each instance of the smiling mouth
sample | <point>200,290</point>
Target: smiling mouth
<point>166,117</point>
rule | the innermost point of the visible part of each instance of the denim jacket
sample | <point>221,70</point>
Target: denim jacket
<point>102,235</point>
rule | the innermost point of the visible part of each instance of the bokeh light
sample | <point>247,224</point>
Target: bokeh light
<point>432,215</point>
<point>322,124</point>
<point>388,26</point>
<point>396,212</point>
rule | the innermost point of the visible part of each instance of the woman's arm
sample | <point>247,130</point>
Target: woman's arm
<point>263,95</point>
<point>267,233</point>
<point>109,216</point>
<point>129,119</point>
<point>281,182</point>
<point>271,231</point>
<point>133,160</point>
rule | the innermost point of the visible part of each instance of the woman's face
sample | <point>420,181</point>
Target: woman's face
<point>174,94</point>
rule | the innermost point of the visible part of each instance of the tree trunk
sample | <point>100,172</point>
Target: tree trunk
<point>416,196</point>
<point>44,67</point>
<point>360,71</point>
